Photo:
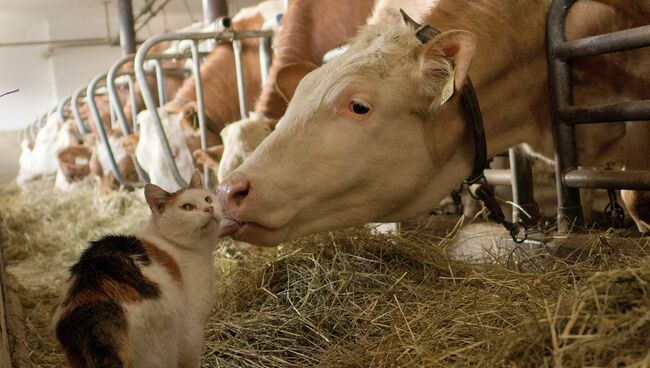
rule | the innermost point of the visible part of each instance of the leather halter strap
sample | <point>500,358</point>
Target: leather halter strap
<point>474,118</point>
<point>471,108</point>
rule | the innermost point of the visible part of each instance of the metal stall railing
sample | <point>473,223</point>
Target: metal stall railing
<point>112,76</point>
<point>234,37</point>
<point>565,115</point>
<point>103,135</point>
<point>74,106</point>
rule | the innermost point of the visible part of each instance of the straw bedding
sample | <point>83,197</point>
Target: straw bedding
<point>356,299</point>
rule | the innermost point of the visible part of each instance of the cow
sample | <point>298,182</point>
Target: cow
<point>309,30</point>
<point>220,96</point>
<point>370,136</point>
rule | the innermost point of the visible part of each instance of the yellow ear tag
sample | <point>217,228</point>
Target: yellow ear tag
<point>448,89</point>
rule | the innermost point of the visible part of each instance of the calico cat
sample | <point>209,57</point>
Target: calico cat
<point>141,301</point>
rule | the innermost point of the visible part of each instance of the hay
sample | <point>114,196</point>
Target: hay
<point>352,298</point>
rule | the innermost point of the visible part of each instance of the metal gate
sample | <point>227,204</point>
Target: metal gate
<point>234,37</point>
<point>565,115</point>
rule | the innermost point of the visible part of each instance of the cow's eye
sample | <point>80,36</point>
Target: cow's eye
<point>359,107</point>
<point>188,207</point>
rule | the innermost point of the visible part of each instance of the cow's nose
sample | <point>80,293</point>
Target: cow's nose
<point>232,192</point>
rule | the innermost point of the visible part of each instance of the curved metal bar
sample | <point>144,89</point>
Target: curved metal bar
<point>114,99</point>
<point>160,81</point>
<point>134,102</point>
<point>149,101</point>
<point>196,71</point>
<point>74,106</point>
<point>90,92</point>
<point>61,108</point>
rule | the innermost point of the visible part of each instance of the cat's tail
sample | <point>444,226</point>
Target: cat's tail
<point>94,335</point>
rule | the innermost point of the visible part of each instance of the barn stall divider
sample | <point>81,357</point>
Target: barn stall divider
<point>233,37</point>
<point>569,178</point>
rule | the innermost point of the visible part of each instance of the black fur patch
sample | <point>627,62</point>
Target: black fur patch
<point>94,333</point>
<point>117,258</point>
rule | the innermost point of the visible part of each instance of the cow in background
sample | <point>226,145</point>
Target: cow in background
<point>309,30</point>
<point>221,102</point>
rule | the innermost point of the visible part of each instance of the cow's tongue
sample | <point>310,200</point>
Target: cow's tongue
<point>229,226</point>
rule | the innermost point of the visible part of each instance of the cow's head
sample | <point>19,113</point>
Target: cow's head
<point>365,138</point>
<point>240,140</point>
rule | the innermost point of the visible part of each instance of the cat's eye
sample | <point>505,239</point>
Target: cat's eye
<point>188,207</point>
<point>208,199</point>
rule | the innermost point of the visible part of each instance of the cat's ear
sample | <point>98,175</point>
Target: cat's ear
<point>156,197</point>
<point>197,181</point>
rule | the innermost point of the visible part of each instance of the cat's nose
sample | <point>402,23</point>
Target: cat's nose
<point>209,209</point>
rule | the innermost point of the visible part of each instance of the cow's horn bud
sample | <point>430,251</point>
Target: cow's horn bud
<point>409,21</point>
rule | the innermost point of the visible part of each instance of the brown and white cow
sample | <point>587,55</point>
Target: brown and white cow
<point>367,137</point>
<point>220,97</point>
<point>309,30</point>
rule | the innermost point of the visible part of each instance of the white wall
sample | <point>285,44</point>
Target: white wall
<point>44,78</point>
<point>26,69</point>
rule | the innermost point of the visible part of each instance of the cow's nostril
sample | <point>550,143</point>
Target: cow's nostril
<point>232,193</point>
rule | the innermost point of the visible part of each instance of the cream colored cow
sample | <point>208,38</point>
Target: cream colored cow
<point>369,137</point>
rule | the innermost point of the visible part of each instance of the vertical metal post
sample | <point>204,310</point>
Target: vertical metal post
<point>127,29</point>
<point>265,57</point>
<point>196,71</point>
<point>61,109</point>
<point>522,187</point>
<point>569,211</point>
<point>239,69</point>
<point>160,81</point>
<point>213,9</point>
<point>74,106</point>
<point>134,102</point>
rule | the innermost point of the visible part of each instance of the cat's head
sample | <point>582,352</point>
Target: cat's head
<point>190,216</point>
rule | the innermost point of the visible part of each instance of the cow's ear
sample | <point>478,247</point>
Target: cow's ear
<point>196,182</point>
<point>190,114</point>
<point>156,197</point>
<point>456,46</point>
<point>289,76</point>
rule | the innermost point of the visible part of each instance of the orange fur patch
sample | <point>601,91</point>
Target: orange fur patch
<point>165,260</point>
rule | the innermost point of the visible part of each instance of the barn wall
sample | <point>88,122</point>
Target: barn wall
<point>24,68</point>
<point>45,76</point>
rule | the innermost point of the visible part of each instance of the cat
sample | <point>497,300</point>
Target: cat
<point>142,300</point>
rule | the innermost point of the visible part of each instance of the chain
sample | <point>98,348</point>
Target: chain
<point>614,211</point>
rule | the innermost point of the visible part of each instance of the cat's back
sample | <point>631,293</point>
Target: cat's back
<point>115,277</point>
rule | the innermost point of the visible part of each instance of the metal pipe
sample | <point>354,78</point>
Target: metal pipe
<point>213,9</point>
<point>608,179</point>
<point>203,128</point>
<point>113,96</point>
<point>60,43</point>
<point>522,188</point>
<point>127,28</point>
<point>160,81</point>
<point>149,101</point>
<point>74,106</point>
<point>566,157</point>
<point>621,111</point>
<point>265,57</point>
<point>90,92</point>
<point>628,39</point>
<point>498,177</point>
<point>61,108</point>
<point>134,103</point>
<point>241,86</point>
